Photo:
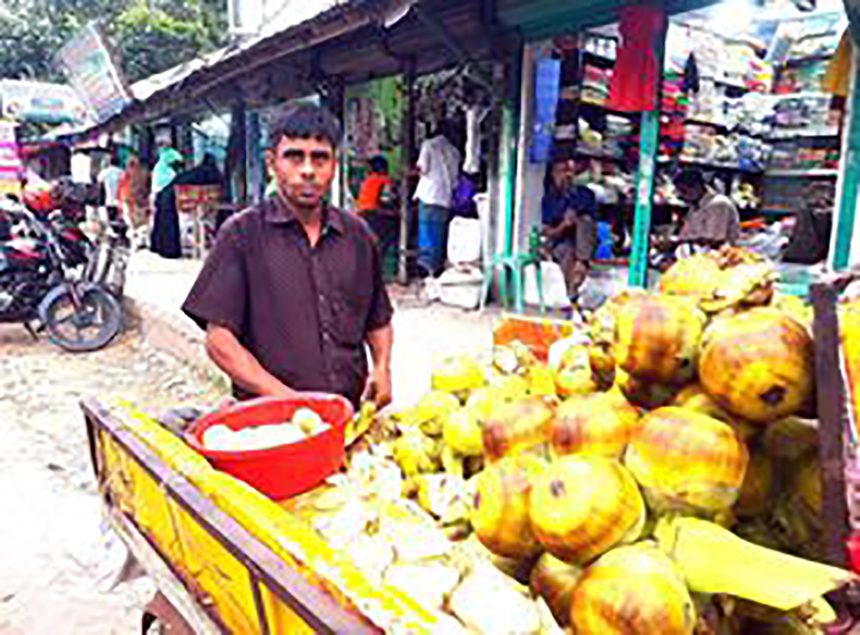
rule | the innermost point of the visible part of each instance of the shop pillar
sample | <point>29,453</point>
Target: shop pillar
<point>407,131</point>
<point>649,140</point>
<point>843,253</point>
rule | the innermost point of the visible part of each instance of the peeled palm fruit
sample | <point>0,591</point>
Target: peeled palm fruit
<point>600,424</point>
<point>517,426</point>
<point>428,582</point>
<point>500,514</point>
<point>684,460</point>
<point>458,374</point>
<point>462,432</point>
<point>758,365</point>
<point>657,339</point>
<point>555,581</point>
<point>634,589</point>
<point>714,560</point>
<point>487,601</point>
<point>583,506</point>
<point>309,421</point>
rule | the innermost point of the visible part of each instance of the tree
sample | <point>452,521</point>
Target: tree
<point>149,35</point>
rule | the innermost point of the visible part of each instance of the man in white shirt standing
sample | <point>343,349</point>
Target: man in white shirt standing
<point>438,164</point>
<point>109,179</point>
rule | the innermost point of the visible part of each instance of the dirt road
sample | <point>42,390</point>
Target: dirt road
<point>56,564</point>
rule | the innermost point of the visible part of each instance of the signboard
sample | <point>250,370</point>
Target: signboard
<point>38,101</point>
<point>10,160</point>
<point>88,65</point>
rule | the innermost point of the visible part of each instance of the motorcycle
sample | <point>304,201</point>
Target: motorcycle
<point>46,279</point>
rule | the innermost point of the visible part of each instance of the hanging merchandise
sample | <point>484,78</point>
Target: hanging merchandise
<point>547,83</point>
<point>636,69</point>
<point>474,117</point>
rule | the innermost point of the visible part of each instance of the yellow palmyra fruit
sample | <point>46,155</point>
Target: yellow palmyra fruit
<point>657,339</point>
<point>583,506</point>
<point>517,426</point>
<point>633,589</point>
<point>758,365</point>
<point>685,460</point>
<point>601,424</point>
<point>714,560</point>
<point>500,514</point>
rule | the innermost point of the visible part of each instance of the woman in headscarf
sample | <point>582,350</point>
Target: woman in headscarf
<point>164,239</point>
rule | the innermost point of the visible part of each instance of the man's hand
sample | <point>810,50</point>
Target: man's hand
<point>379,384</point>
<point>378,388</point>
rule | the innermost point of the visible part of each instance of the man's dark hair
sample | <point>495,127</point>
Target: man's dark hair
<point>378,164</point>
<point>689,178</point>
<point>306,121</point>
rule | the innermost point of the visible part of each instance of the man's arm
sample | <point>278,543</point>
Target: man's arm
<point>380,341</point>
<point>224,348</point>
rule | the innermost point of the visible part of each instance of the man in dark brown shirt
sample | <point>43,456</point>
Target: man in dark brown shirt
<point>292,289</point>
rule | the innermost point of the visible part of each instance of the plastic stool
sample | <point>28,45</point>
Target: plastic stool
<point>514,264</point>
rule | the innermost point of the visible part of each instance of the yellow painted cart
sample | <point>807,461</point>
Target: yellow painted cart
<point>225,557</point>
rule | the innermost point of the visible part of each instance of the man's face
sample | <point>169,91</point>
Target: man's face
<point>304,170</point>
<point>690,194</point>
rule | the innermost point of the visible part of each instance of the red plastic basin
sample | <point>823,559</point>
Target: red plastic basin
<point>285,470</point>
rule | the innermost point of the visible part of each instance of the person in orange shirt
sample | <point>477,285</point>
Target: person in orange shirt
<point>377,204</point>
<point>376,193</point>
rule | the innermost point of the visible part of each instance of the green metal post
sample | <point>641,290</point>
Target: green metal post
<point>847,205</point>
<point>649,138</point>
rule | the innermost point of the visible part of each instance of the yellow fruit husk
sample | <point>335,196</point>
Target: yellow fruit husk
<point>758,365</point>
<point>462,432</point>
<point>633,589</point>
<point>583,506</point>
<point>641,393</point>
<point>849,331</point>
<point>555,581</point>
<point>714,560</point>
<point>430,412</point>
<point>516,427</point>
<point>500,509</point>
<point>757,491</point>
<point>727,278</point>
<point>458,375</point>
<point>509,387</point>
<point>687,461</point>
<point>600,424</point>
<point>657,339</point>
<point>414,453</point>
<point>791,438</point>
<point>541,379</point>
<point>693,397</point>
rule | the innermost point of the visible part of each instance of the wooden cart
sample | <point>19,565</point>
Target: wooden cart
<point>226,558</point>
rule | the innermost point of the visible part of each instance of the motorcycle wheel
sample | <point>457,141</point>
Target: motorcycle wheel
<point>88,327</point>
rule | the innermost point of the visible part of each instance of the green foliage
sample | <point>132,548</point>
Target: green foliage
<point>150,36</point>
